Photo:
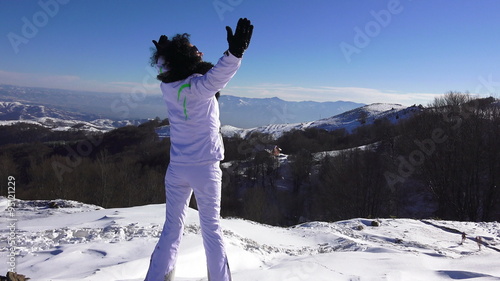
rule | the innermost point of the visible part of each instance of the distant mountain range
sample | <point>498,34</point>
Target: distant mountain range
<point>348,120</point>
<point>66,110</point>
<point>14,112</point>
<point>89,105</point>
<point>19,111</point>
<point>31,103</point>
<point>55,119</point>
<point>254,112</point>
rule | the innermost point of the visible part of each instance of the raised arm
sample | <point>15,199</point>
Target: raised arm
<point>218,77</point>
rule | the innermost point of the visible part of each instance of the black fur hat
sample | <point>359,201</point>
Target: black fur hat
<point>181,59</point>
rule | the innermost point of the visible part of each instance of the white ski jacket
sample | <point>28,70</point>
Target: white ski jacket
<point>193,112</point>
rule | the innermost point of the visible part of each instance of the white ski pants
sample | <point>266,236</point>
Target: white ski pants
<point>180,182</point>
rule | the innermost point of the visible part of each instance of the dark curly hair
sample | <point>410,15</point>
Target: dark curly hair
<point>181,59</point>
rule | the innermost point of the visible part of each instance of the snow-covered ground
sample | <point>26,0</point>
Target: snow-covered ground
<point>84,242</point>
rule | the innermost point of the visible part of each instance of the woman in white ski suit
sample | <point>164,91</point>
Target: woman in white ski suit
<point>196,149</point>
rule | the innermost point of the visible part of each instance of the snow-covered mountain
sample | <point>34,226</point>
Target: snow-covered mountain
<point>57,120</point>
<point>19,111</point>
<point>89,105</point>
<point>67,240</point>
<point>235,111</point>
<point>254,112</point>
<point>366,115</point>
<point>349,121</point>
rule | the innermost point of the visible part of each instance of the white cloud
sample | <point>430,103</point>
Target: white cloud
<point>288,92</point>
<point>71,82</point>
<point>355,94</point>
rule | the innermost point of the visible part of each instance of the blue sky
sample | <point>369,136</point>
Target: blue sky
<point>399,51</point>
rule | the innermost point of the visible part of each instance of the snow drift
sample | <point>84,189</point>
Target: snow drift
<point>67,240</point>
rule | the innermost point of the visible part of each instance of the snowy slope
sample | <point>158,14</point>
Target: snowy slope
<point>57,120</point>
<point>349,121</point>
<point>84,242</point>
<point>56,124</point>
<point>254,112</point>
<point>11,111</point>
<point>352,119</point>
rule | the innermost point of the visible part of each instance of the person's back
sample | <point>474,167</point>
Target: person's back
<point>194,114</point>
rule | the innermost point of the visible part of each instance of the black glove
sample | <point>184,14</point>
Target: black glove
<point>239,42</point>
<point>161,45</point>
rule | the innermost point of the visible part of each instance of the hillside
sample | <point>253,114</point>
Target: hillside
<point>18,111</point>
<point>371,165</point>
<point>234,110</point>
<point>115,244</point>
<point>349,120</point>
<point>254,112</point>
<point>57,120</point>
<point>88,106</point>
